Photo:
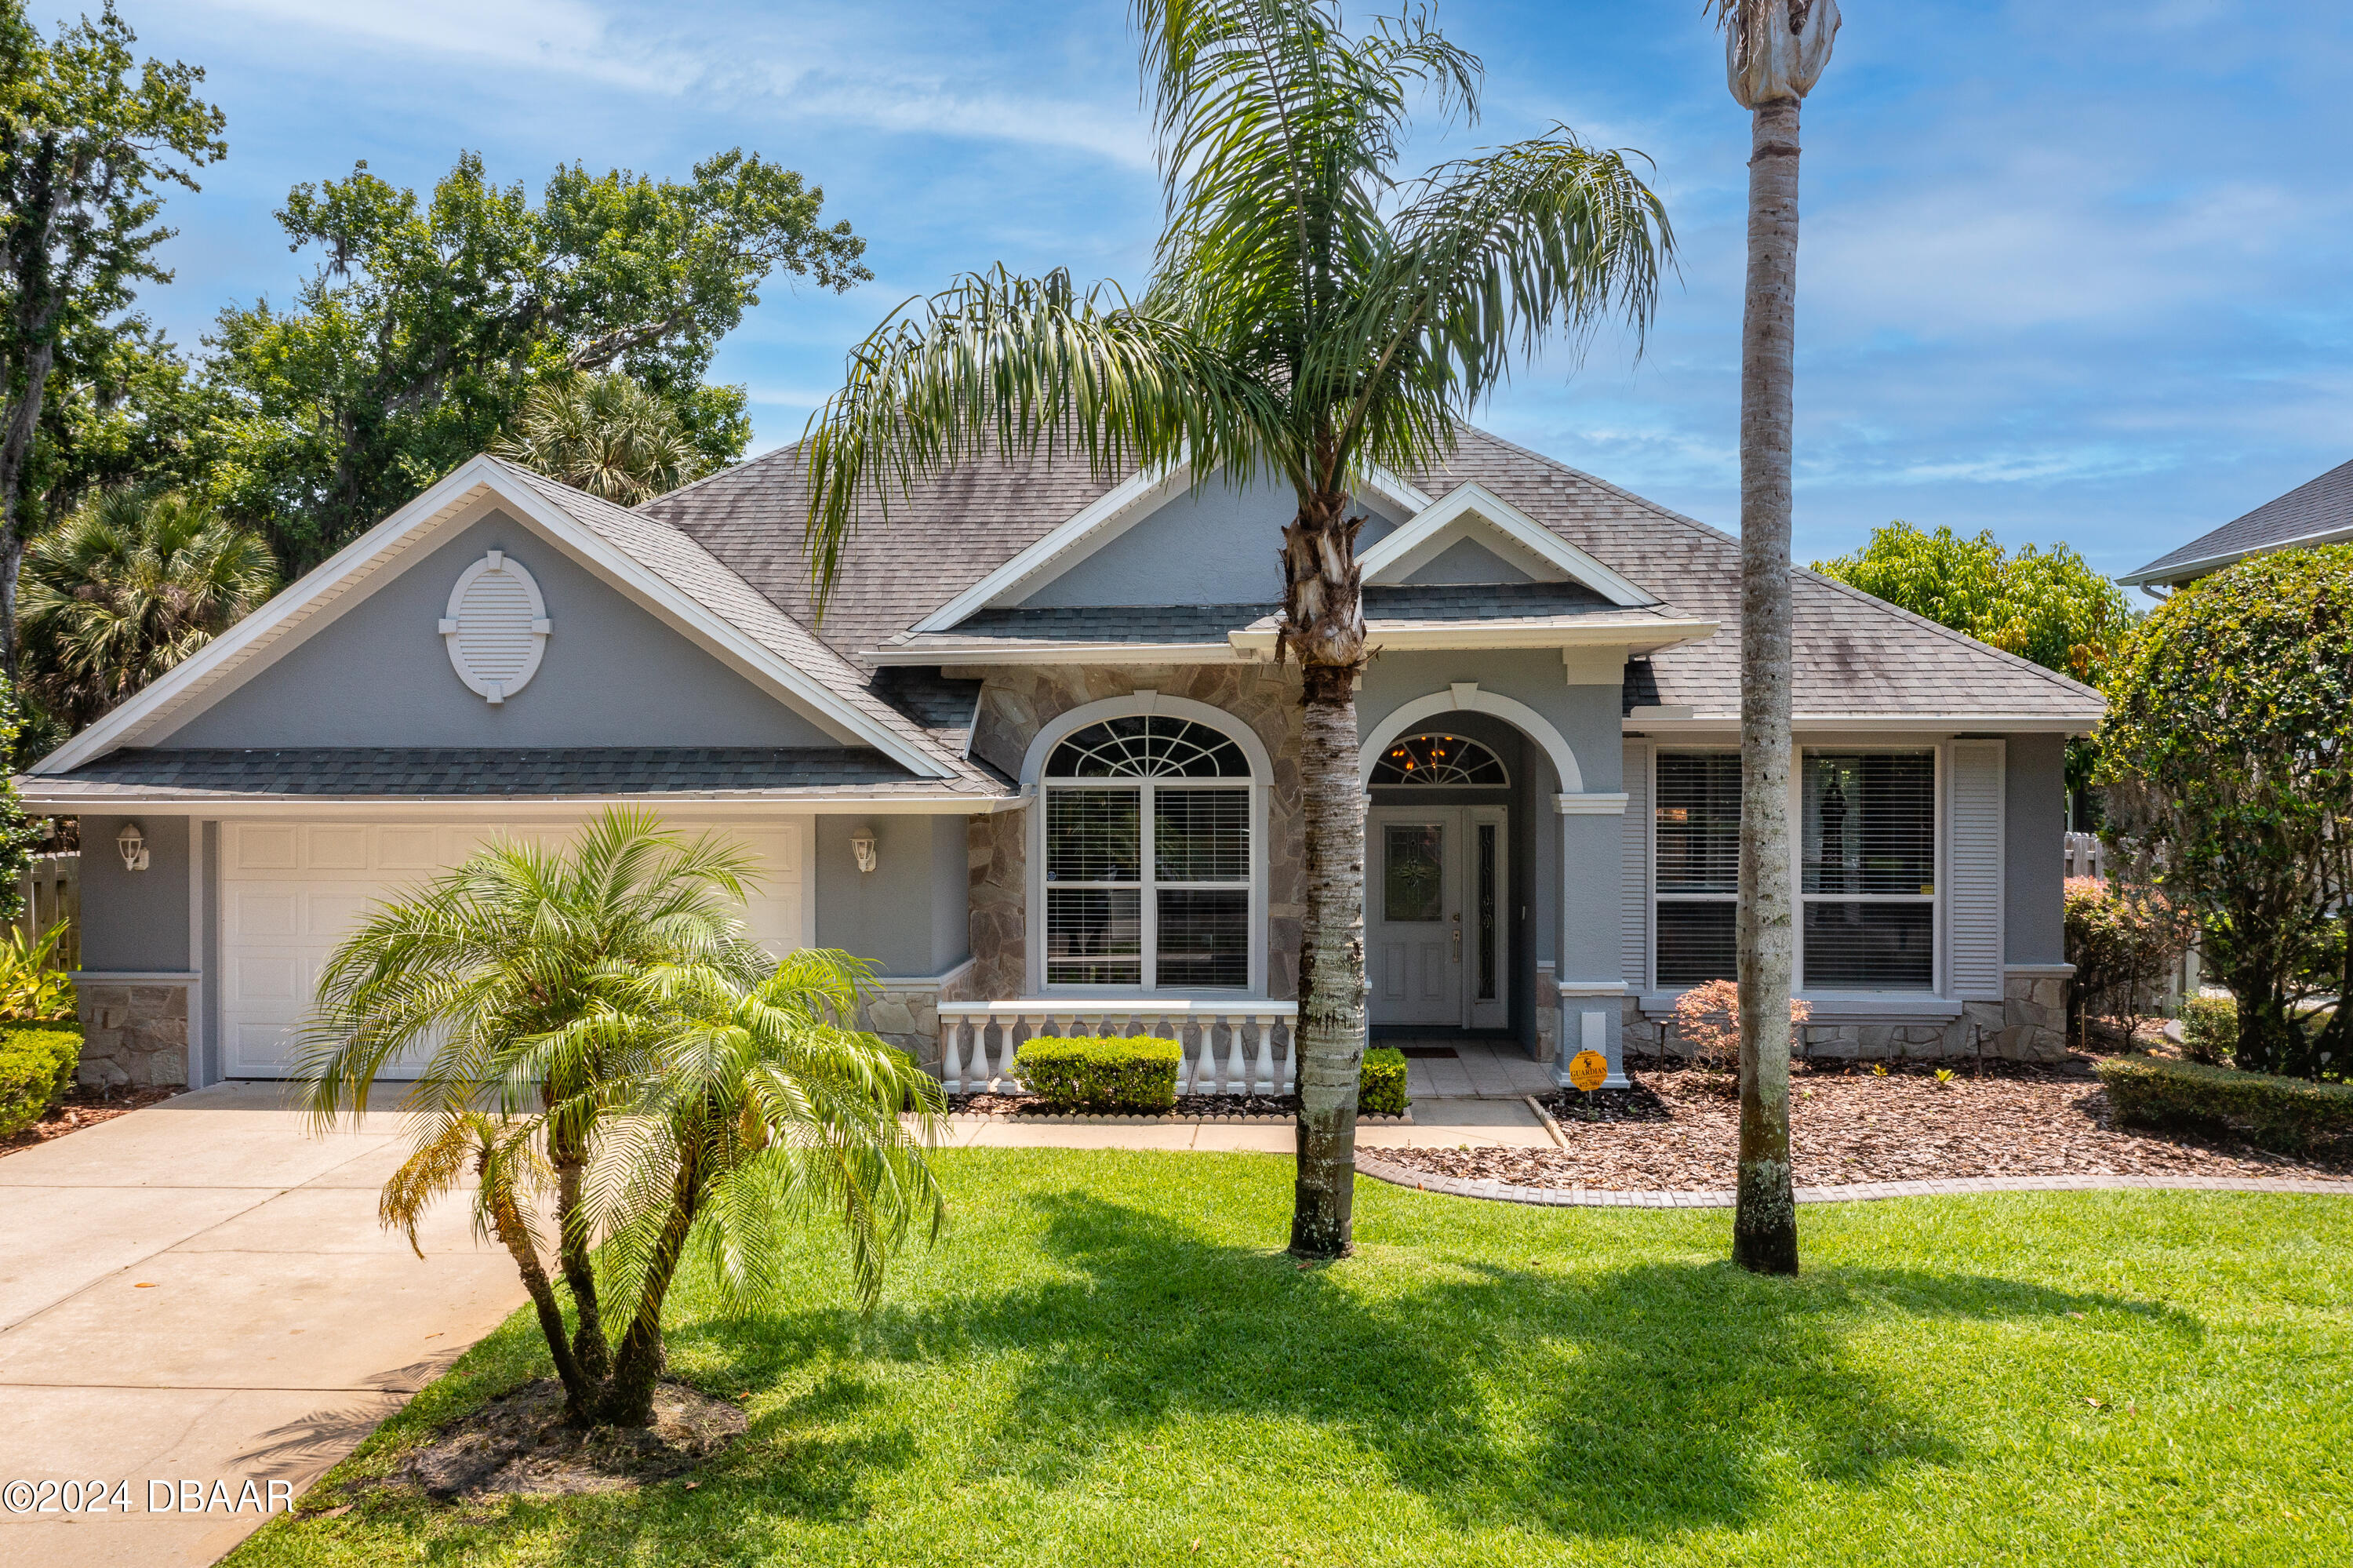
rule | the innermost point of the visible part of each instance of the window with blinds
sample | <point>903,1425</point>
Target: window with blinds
<point>1147,864</point>
<point>1696,853</point>
<point>1868,871</point>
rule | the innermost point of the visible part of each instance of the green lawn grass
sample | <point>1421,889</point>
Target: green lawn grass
<point>1110,1361</point>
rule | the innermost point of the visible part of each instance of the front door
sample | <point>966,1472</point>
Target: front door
<point>1434,916</point>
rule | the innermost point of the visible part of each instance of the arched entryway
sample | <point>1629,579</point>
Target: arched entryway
<point>1451,889</point>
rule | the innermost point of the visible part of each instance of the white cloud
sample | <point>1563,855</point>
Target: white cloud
<point>562,36</point>
<point>823,80</point>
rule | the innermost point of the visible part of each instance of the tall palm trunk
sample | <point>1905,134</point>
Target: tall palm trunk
<point>1324,613</point>
<point>1764,1225</point>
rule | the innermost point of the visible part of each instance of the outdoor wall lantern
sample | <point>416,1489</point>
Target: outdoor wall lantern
<point>861,844</point>
<point>132,844</point>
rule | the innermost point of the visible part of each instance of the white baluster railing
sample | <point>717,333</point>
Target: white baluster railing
<point>966,1027</point>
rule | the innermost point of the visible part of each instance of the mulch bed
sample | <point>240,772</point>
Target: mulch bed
<point>79,1110</point>
<point>1678,1130</point>
<point>520,1443</point>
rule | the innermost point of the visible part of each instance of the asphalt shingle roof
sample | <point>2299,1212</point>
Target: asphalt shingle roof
<point>2321,507</point>
<point>1856,656</point>
<point>1203,623</point>
<point>1482,601</point>
<point>493,771</point>
<point>951,532</point>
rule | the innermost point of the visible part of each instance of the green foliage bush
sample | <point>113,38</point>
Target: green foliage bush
<point>36,1066</point>
<point>2123,942</point>
<point>2286,1114</point>
<point>1103,1075</point>
<point>1380,1086</point>
<point>2227,756</point>
<point>2209,1028</point>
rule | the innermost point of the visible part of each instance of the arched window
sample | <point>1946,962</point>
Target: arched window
<point>1148,858</point>
<point>1448,760</point>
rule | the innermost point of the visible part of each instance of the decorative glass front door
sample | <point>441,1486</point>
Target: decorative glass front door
<point>1435,944</point>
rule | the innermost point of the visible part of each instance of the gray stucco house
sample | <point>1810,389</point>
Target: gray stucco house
<point>1038,764</point>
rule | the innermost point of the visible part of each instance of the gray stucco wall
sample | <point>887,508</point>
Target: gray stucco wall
<point>2035,817</point>
<point>1219,547</point>
<point>906,916</point>
<point>1466,561</point>
<point>613,675</point>
<point>135,920</point>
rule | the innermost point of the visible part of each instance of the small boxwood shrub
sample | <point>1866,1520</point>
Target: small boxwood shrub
<point>36,1066</point>
<point>1380,1085</point>
<point>2209,1028</point>
<point>2286,1114</point>
<point>1106,1076</point>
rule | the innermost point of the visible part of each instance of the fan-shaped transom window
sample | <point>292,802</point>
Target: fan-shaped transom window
<point>1439,759</point>
<point>1147,745</point>
<point>1148,865</point>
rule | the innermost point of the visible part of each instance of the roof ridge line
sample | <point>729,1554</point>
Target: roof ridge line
<point>1618,491</point>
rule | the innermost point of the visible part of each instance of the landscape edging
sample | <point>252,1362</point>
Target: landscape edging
<point>1853,1193</point>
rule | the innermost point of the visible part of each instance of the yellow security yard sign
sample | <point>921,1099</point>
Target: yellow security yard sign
<point>1589,1070</point>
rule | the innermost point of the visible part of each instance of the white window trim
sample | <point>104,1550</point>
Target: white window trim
<point>1939,916</point>
<point>1034,785</point>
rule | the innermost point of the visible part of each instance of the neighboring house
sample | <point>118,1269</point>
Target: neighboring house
<point>1039,762</point>
<point>2318,511</point>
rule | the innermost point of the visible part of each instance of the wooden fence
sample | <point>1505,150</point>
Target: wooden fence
<point>2087,855</point>
<point>51,888</point>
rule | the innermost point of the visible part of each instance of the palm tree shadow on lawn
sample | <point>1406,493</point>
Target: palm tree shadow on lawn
<point>1633,1401</point>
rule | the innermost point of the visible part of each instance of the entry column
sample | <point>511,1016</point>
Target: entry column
<point>1592,829</point>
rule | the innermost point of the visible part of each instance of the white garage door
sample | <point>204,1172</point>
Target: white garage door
<point>290,891</point>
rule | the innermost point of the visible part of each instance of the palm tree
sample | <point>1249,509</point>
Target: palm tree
<point>1308,318</point>
<point>603,1038</point>
<point>125,588</point>
<point>1775,52</point>
<point>604,434</point>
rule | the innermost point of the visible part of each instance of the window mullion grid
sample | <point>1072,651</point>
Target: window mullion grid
<point>1148,888</point>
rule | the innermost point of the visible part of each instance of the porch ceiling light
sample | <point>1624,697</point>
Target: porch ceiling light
<point>861,844</point>
<point>131,845</point>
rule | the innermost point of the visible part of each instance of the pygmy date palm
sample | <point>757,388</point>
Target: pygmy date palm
<point>1309,318</point>
<point>602,1038</point>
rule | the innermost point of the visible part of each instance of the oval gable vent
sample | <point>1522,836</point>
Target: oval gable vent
<point>497,627</point>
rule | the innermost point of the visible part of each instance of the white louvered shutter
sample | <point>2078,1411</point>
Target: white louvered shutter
<point>1974,882</point>
<point>1634,880</point>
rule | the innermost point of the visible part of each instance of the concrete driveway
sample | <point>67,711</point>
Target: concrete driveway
<point>198,1292</point>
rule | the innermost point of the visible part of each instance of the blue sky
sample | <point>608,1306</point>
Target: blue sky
<point>2071,271</point>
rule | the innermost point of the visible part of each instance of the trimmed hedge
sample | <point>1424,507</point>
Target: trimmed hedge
<point>2285,1113</point>
<point>2209,1028</point>
<point>36,1066</point>
<point>1103,1075</point>
<point>1380,1085</point>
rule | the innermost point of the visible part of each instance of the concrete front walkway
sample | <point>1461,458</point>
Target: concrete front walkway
<point>199,1291</point>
